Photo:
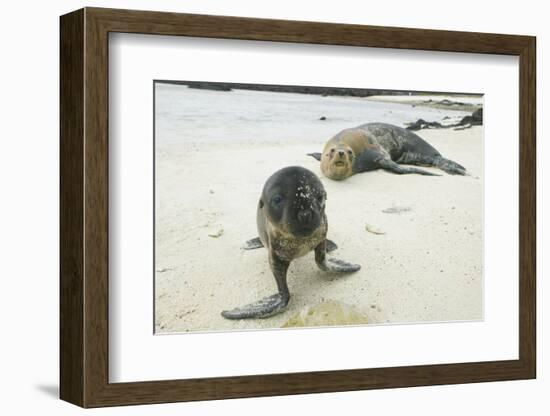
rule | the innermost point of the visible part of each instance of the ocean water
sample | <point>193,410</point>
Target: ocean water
<point>187,115</point>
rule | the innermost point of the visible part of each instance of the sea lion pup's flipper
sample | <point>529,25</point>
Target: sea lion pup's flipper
<point>315,156</point>
<point>331,245</point>
<point>263,308</point>
<point>268,306</point>
<point>332,265</point>
<point>446,165</point>
<point>253,244</point>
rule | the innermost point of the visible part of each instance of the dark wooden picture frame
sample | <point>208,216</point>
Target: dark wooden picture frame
<point>84,207</point>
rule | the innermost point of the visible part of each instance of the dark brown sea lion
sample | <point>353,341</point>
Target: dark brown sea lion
<point>291,222</point>
<point>380,146</point>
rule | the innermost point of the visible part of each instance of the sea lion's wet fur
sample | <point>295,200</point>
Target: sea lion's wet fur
<point>289,247</point>
<point>291,222</point>
<point>380,146</point>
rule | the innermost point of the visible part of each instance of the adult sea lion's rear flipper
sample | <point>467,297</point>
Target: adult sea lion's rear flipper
<point>379,159</point>
<point>452,168</point>
<point>264,308</point>
<point>253,244</point>
<point>315,155</point>
<point>438,161</point>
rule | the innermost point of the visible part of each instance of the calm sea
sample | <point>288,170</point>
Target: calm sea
<point>185,115</point>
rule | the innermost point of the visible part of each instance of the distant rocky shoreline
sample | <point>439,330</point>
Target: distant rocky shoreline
<point>324,91</point>
<point>475,119</point>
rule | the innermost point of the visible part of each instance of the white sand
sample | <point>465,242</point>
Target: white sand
<point>426,267</point>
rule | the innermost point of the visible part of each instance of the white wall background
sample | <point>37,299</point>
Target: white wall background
<point>29,160</point>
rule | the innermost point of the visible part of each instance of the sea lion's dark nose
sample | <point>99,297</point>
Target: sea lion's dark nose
<point>304,216</point>
<point>341,153</point>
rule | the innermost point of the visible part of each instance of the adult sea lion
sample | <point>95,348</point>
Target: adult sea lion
<point>291,222</point>
<point>380,146</point>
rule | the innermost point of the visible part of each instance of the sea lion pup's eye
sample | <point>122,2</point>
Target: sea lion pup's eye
<point>332,151</point>
<point>321,198</point>
<point>277,199</point>
<point>350,153</point>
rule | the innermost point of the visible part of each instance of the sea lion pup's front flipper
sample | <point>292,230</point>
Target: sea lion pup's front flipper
<point>263,308</point>
<point>253,244</point>
<point>315,156</point>
<point>270,305</point>
<point>332,265</point>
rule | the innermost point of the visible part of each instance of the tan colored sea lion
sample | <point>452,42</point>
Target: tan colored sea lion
<point>380,146</point>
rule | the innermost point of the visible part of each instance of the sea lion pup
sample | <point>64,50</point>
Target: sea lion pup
<point>380,146</point>
<point>291,222</point>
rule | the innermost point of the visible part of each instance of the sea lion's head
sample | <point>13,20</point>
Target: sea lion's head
<point>337,161</point>
<point>293,200</point>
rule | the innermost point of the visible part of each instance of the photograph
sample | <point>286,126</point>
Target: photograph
<point>296,206</point>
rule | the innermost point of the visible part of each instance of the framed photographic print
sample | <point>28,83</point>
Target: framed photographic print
<point>255,207</point>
